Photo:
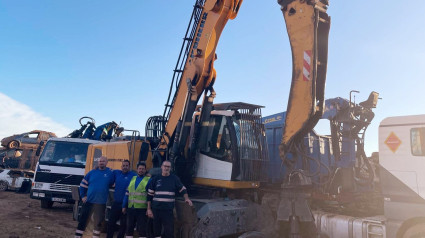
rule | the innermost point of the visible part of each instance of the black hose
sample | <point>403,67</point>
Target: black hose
<point>362,155</point>
<point>318,162</point>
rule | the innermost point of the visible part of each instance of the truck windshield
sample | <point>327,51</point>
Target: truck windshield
<point>64,153</point>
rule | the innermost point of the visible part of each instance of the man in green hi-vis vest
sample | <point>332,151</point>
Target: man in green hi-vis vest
<point>135,202</point>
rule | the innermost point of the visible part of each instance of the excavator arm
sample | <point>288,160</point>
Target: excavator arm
<point>198,74</point>
<point>308,28</point>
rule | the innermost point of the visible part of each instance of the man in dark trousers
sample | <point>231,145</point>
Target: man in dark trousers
<point>161,197</point>
<point>135,203</point>
<point>94,191</point>
<point>122,180</point>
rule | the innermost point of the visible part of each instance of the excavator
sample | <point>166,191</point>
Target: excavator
<point>219,150</point>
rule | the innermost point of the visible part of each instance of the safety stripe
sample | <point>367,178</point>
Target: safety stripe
<point>182,189</point>
<point>78,235</point>
<point>164,199</point>
<point>164,193</point>
<point>79,232</point>
<point>151,194</point>
<point>307,56</point>
<point>307,65</point>
<point>151,191</point>
<point>85,181</point>
<point>96,232</point>
<point>137,201</point>
<point>84,186</point>
<point>128,236</point>
<point>137,193</point>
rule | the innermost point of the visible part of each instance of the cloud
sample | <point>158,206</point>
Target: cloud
<point>16,118</point>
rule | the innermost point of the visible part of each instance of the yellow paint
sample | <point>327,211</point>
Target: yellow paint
<point>116,152</point>
<point>300,27</point>
<point>226,183</point>
<point>273,119</point>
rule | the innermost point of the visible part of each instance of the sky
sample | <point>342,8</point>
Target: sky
<point>61,60</point>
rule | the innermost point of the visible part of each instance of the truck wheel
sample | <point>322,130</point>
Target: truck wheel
<point>13,144</point>
<point>46,204</point>
<point>3,186</point>
<point>416,230</point>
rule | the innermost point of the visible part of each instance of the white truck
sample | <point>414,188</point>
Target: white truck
<point>402,178</point>
<point>60,167</point>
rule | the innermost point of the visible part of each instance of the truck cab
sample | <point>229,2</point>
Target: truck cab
<point>60,167</point>
<point>402,161</point>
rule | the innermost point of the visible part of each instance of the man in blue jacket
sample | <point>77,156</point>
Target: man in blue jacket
<point>94,191</point>
<point>122,179</point>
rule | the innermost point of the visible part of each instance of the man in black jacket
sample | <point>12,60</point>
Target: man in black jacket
<point>161,196</point>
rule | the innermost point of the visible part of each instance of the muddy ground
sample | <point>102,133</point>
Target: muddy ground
<point>21,216</point>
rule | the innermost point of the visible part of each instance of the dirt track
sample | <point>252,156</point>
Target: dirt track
<point>21,216</point>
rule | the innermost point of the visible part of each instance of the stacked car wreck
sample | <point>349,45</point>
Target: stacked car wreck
<point>20,151</point>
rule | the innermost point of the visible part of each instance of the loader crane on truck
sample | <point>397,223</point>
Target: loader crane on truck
<point>336,163</point>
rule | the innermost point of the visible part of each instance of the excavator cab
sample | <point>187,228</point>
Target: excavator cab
<point>231,153</point>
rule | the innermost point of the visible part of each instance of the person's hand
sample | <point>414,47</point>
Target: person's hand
<point>84,199</point>
<point>149,213</point>
<point>189,202</point>
<point>124,210</point>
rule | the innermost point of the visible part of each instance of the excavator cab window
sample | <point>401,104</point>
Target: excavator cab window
<point>219,141</point>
